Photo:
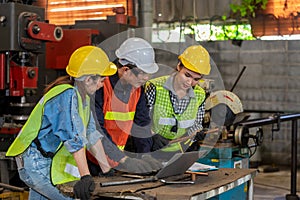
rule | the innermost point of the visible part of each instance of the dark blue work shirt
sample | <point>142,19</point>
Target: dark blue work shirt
<point>141,129</point>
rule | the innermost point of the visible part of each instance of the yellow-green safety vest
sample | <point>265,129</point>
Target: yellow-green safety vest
<point>164,117</point>
<point>63,166</point>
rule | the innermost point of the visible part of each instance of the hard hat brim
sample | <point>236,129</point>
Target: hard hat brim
<point>109,70</point>
<point>149,68</point>
<point>189,66</point>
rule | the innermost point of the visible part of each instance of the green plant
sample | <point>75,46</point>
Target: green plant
<point>247,8</point>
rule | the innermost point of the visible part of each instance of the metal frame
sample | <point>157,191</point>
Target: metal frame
<point>277,119</point>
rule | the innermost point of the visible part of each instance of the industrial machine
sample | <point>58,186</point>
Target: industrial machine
<point>233,148</point>
<point>225,110</point>
<point>24,33</point>
<point>230,147</point>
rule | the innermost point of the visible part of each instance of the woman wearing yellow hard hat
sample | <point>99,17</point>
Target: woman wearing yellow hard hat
<point>177,101</point>
<point>50,148</point>
<point>196,59</point>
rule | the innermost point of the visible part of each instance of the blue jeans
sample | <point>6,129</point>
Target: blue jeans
<point>36,175</point>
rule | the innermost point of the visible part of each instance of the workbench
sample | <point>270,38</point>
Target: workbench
<point>205,187</point>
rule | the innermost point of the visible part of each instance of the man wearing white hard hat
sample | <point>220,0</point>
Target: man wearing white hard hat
<point>121,107</point>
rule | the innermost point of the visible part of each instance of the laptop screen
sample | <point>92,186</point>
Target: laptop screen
<point>179,163</point>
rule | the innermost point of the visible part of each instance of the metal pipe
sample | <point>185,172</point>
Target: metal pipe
<point>293,194</point>
<point>114,183</point>
<point>2,71</point>
<point>11,187</point>
<point>269,120</point>
<point>145,19</point>
<point>238,78</point>
<point>294,157</point>
<point>7,59</point>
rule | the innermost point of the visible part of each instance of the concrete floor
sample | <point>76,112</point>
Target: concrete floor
<point>274,185</point>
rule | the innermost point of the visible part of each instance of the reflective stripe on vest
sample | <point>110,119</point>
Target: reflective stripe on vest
<point>118,116</point>
<point>164,116</point>
<point>172,122</point>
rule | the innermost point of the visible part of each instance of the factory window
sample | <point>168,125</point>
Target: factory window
<point>66,12</point>
<point>279,21</point>
<point>201,32</point>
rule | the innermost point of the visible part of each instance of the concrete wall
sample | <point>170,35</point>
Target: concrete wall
<point>270,84</point>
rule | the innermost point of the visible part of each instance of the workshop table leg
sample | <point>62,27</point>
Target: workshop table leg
<point>250,189</point>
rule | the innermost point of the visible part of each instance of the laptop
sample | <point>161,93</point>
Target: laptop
<point>177,165</point>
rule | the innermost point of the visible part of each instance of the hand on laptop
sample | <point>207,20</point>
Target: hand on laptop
<point>146,164</point>
<point>154,163</point>
<point>134,165</point>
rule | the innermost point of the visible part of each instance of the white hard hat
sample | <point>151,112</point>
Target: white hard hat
<point>139,52</point>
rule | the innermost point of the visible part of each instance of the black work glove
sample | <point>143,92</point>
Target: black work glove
<point>159,142</point>
<point>134,165</point>
<point>110,173</point>
<point>154,163</point>
<point>84,187</point>
<point>200,135</point>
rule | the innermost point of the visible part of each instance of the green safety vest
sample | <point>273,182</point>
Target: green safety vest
<point>164,117</point>
<point>63,166</point>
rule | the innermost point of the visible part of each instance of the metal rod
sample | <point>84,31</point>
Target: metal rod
<point>294,157</point>
<point>293,194</point>
<point>238,78</point>
<point>105,184</point>
<point>2,71</point>
<point>176,182</point>
<point>269,120</point>
<point>11,187</point>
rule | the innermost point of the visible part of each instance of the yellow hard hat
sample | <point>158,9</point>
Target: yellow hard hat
<point>196,59</point>
<point>90,60</point>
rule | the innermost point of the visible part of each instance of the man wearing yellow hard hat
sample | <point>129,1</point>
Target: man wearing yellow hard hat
<point>177,101</point>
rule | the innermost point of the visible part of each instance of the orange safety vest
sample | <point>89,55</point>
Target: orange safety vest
<point>118,116</point>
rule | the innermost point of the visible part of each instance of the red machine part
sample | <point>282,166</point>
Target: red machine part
<point>44,31</point>
<point>58,53</point>
<point>121,18</point>
<point>21,78</point>
<point>9,130</point>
